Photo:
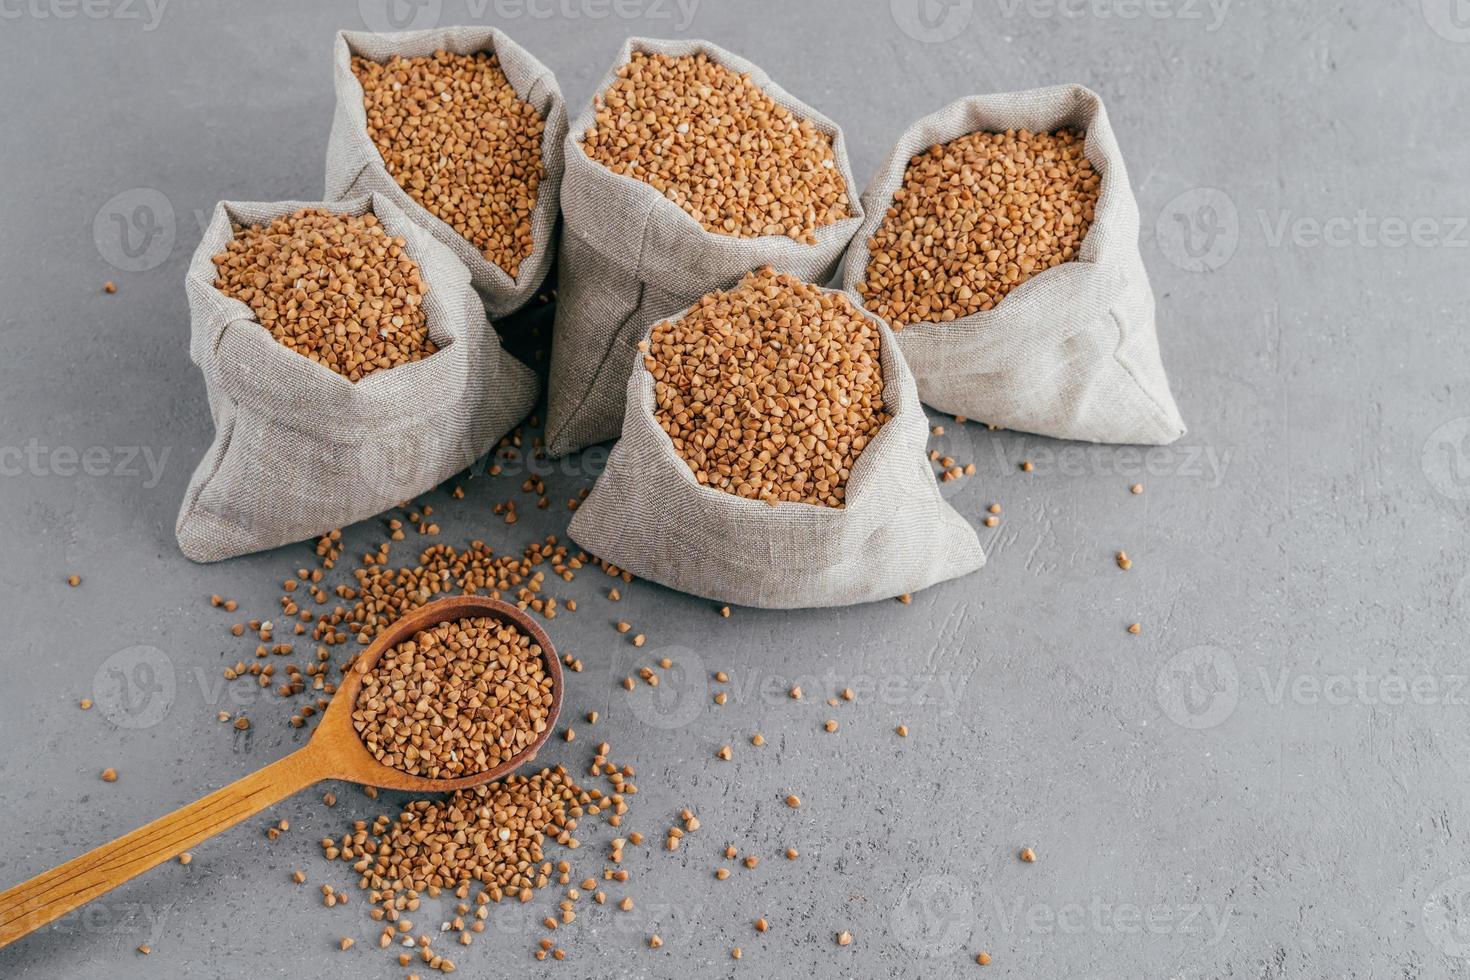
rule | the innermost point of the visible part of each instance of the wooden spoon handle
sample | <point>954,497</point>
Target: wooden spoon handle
<point>50,895</point>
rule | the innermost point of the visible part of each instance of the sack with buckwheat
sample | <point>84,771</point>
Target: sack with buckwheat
<point>1001,245</point>
<point>474,127</point>
<point>393,381</point>
<point>689,169</point>
<point>773,455</point>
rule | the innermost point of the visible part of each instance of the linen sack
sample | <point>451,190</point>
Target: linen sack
<point>298,449</point>
<point>630,257</point>
<point>355,167</point>
<point>1070,353</point>
<point>648,514</point>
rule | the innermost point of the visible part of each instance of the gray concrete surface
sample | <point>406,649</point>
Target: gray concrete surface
<point>1268,782</point>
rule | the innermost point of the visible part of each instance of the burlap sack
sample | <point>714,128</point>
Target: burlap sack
<point>631,257</point>
<point>355,167</point>
<point>1072,352</point>
<point>897,535</point>
<point>298,449</point>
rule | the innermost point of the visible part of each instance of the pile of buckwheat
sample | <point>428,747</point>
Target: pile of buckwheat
<point>457,699</point>
<point>458,139</point>
<point>769,390</point>
<point>491,835</point>
<point>491,844</point>
<point>974,219</point>
<point>337,289</point>
<point>384,594</point>
<point>710,140</point>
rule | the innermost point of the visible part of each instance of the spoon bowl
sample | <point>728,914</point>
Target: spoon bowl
<point>337,737</point>
<point>335,751</point>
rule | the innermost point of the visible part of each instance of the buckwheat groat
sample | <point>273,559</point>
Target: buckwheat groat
<point>974,219</point>
<point>335,288</point>
<point>715,144</point>
<point>455,700</point>
<point>769,390</point>
<point>459,141</point>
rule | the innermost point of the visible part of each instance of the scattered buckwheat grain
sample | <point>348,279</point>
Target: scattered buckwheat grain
<point>488,834</point>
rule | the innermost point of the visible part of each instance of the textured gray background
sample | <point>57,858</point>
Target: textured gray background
<point>1269,782</point>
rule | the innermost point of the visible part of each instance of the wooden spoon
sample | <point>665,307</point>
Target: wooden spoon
<point>334,752</point>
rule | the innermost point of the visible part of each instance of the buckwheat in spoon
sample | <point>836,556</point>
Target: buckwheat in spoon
<point>460,692</point>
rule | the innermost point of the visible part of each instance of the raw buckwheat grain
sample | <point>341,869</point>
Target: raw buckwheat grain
<point>974,219</point>
<point>455,700</point>
<point>770,390</point>
<point>710,140</point>
<point>335,288</point>
<point>455,136</point>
